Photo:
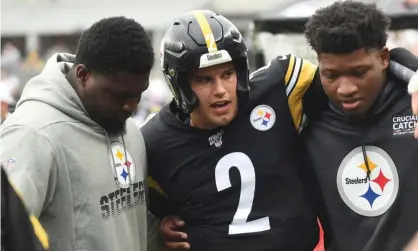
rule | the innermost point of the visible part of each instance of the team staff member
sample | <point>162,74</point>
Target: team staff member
<point>79,160</point>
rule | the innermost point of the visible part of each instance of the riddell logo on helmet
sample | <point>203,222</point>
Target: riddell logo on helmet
<point>214,56</point>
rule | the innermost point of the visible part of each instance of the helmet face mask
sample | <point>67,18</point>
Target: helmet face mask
<point>197,40</point>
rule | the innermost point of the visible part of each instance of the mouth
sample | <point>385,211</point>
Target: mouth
<point>221,107</point>
<point>350,104</point>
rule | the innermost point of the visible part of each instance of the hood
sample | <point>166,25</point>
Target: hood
<point>52,88</point>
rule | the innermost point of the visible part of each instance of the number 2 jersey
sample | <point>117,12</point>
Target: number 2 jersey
<point>238,187</point>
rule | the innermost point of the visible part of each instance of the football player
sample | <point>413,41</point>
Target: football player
<point>362,147</point>
<point>225,155</point>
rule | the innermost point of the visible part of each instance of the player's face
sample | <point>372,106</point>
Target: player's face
<point>216,89</point>
<point>353,81</point>
<point>110,100</point>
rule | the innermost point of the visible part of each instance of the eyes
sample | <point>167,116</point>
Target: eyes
<point>226,75</point>
<point>330,76</point>
<point>356,74</point>
<point>123,97</point>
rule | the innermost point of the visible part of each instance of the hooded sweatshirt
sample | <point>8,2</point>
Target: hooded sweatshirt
<point>367,171</point>
<point>86,187</point>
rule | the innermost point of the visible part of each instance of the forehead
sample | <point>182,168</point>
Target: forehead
<point>356,59</point>
<point>212,70</point>
<point>123,81</point>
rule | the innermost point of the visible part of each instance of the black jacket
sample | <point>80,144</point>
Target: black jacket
<point>367,172</point>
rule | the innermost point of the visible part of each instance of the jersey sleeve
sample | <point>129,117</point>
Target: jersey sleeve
<point>303,87</point>
<point>300,74</point>
<point>158,202</point>
<point>17,223</point>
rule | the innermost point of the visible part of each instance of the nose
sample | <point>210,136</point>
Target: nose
<point>346,88</point>
<point>219,88</point>
<point>130,106</point>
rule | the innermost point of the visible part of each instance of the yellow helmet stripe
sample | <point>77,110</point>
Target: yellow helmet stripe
<point>206,30</point>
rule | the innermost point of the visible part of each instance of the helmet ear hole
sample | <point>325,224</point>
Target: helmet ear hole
<point>235,34</point>
<point>189,100</point>
<point>176,23</point>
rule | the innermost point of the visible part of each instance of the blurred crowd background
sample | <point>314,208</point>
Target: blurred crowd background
<point>33,30</point>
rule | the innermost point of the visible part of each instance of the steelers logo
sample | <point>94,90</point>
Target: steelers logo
<point>123,166</point>
<point>262,117</point>
<point>373,194</point>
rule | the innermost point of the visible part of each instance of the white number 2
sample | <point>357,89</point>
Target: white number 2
<point>240,223</point>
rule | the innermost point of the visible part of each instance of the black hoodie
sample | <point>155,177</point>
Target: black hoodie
<point>367,172</point>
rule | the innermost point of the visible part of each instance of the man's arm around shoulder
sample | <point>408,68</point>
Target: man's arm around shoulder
<point>301,81</point>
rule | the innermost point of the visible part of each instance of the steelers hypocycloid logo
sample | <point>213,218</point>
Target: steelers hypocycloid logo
<point>123,165</point>
<point>371,196</point>
<point>263,117</point>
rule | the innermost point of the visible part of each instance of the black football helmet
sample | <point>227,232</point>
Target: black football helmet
<point>201,39</point>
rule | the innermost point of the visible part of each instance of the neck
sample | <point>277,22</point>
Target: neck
<point>195,122</point>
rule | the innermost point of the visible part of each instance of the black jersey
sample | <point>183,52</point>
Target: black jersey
<point>19,230</point>
<point>367,169</point>
<point>238,187</point>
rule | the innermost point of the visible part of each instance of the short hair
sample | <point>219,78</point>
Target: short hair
<point>115,44</point>
<point>344,27</point>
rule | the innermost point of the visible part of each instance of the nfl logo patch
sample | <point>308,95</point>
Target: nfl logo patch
<point>9,164</point>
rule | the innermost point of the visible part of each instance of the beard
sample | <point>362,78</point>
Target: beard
<point>112,126</point>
